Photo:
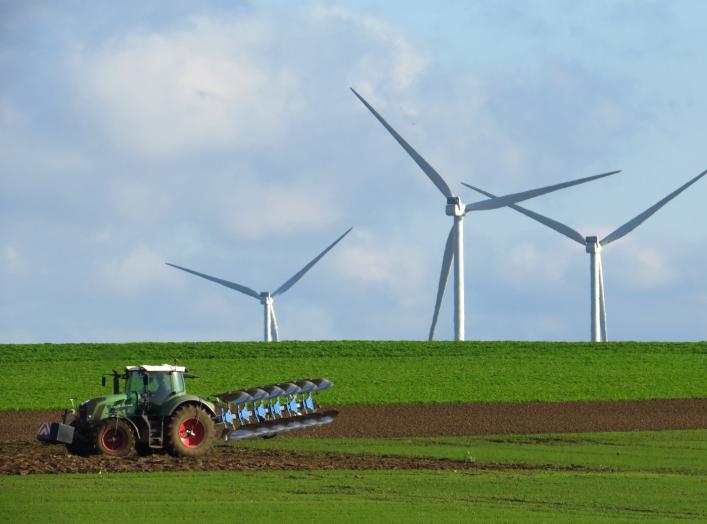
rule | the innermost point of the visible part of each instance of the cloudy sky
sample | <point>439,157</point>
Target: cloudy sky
<point>222,136</point>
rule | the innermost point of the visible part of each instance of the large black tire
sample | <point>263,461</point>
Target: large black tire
<point>115,438</point>
<point>191,432</point>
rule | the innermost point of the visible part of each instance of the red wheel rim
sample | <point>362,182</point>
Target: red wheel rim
<point>113,440</point>
<point>191,433</point>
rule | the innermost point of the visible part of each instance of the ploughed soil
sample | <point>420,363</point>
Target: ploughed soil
<point>20,453</point>
<point>18,458</point>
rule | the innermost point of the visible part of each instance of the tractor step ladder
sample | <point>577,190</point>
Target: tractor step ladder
<point>155,437</point>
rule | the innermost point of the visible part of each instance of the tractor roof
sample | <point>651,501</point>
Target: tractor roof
<point>164,367</point>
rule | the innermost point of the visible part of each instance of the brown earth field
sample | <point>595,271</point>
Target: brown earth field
<point>20,453</point>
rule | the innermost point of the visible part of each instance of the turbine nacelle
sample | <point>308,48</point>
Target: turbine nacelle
<point>593,245</point>
<point>265,297</point>
<point>455,207</point>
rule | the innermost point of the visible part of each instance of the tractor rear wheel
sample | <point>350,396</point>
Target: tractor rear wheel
<point>190,432</point>
<point>115,438</point>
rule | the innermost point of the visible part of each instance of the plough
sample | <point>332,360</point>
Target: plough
<point>268,410</point>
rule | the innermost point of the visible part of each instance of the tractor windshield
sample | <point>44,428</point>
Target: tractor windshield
<point>134,383</point>
<point>159,386</point>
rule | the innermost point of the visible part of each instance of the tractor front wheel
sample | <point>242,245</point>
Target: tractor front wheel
<point>115,438</point>
<point>191,432</point>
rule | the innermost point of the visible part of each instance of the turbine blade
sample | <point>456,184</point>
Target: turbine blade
<point>602,302</point>
<point>291,282</point>
<point>238,287</point>
<point>273,324</point>
<point>639,219</point>
<point>435,177</point>
<point>549,222</point>
<point>494,203</point>
<point>443,276</point>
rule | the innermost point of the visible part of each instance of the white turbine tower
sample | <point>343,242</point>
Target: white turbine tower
<point>266,298</point>
<point>594,246</point>
<point>454,249</point>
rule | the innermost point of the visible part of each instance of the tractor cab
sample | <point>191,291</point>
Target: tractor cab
<point>151,386</point>
<point>147,387</point>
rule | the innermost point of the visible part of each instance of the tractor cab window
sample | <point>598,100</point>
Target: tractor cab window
<point>159,386</point>
<point>134,384</point>
<point>178,382</point>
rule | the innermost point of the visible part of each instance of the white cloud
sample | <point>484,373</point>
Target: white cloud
<point>140,201</point>
<point>402,268</point>
<point>640,266</point>
<point>251,209</point>
<point>303,320</point>
<point>138,273</point>
<point>525,265</point>
<point>206,86</point>
<point>13,261</point>
<point>11,118</point>
<point>234,82</point>
<point>538,325</point>
<point>652,269</point>
<point>702,311</point>
<point>398,68</point>
<point>20,156</point>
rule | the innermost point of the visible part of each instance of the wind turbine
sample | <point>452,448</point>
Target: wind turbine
<point>594,247</point>
<point>454,248</point>
<point>271,331</point>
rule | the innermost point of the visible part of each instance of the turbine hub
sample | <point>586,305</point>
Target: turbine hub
<point>265,297</point>
<point>593,245</point>
<point>455,207</point>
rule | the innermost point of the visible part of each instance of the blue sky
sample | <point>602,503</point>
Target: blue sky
<point>223,137</point>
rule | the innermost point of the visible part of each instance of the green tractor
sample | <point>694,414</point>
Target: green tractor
<point>154,411</point>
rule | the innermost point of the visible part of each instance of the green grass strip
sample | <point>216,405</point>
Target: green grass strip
<point>360,496</point>
<point>46,375</point>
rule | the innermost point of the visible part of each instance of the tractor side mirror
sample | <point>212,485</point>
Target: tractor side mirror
<point>103,381</point>
<point>145,380</point>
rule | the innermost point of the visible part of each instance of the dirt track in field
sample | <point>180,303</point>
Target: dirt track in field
<point>21,454</point>
<point>483,418</point>
<point>495,418</point>
<point>30,458</point>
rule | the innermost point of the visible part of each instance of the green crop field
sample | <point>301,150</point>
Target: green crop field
<point>615,477</point>
<point>346,496</point>
<point>679,451</point>
<point>625,477</point>
<point>46,375</point>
